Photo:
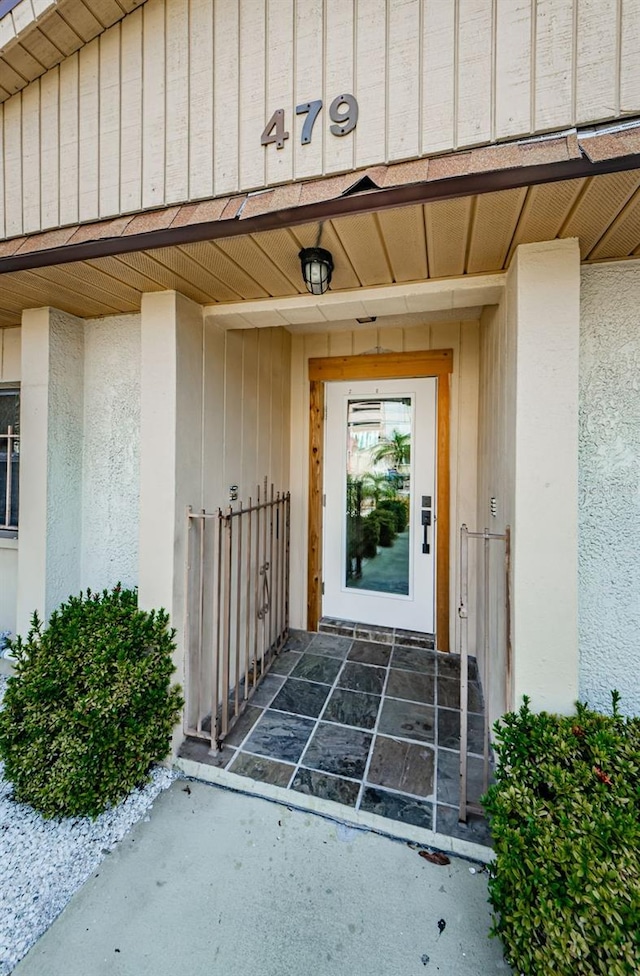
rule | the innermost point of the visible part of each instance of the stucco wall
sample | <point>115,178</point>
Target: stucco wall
<point>9,375</point>
<point>64,457</point>
<point>528,459</point>
<point>111,457</point>
<point>609,506</point>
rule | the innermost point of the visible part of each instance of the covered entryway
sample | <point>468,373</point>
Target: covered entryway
<point>229,363</point>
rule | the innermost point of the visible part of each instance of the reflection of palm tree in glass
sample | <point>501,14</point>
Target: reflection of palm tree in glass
<point>377,486</point>
<point>395,449</point>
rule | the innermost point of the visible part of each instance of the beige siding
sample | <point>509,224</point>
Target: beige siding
<point>9,355</point>
<point>169,104</point>
<point>496,476</point>
<point>463,338</point>
<point>246,415</point>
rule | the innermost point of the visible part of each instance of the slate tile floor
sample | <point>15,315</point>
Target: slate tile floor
<point>370,723</point>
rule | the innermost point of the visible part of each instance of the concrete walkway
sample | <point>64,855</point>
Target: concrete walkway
<point>220,883</point>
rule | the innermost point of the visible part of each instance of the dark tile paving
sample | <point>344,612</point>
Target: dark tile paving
<point>352,708</point>
<point>411,638</point>
<point>285,662</point>
<point>301,697</point>
<point>329,625</point>
<point>397,807</point>
<point>325,786</point>
<point>267,689</point>
<point>414,659</point>
<point>383,635</point>
<point>280,736</point>
<point>402,766</point>
<point>266,770</point>
<point>337,749</point>
<point>369,652</point>
<point>412,686</point>
<point>476,830</point>
<point>199,750</point>
<point>449,694</point>
<point>313,667</point>
<point>298,640</point>
<point>449,778</point>
<point>407,720</point>
<point>366,717</point>
<point>449,667</point>
<point>243,726</point>
<point>449,730</point>
<point>330,646</point>
<point>362,677</point>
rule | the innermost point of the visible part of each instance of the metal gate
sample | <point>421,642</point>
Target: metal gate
<point>492,639</point>
<point>237,608</point>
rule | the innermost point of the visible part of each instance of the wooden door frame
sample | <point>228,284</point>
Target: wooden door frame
<point>436,363</point>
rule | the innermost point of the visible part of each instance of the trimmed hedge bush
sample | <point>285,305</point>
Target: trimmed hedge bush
<point>90,707</point>
<point>400,510</point>
<point>370,537</point>
<point>565,819</point>
<point>387,523</point>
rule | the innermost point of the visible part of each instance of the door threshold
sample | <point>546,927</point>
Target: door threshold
<point>372,632</point>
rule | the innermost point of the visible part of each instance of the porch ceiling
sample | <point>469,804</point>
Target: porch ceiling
<point>444,238</point>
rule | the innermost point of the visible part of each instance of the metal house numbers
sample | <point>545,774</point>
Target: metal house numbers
<point>343,113</point>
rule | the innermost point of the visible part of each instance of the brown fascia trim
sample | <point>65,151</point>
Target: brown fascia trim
<point>172,231</point>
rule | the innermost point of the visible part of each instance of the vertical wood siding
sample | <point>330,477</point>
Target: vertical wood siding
<point>247,413</point>
<point>169,104</point>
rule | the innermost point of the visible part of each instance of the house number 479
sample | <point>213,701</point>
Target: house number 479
<point>343,113</point>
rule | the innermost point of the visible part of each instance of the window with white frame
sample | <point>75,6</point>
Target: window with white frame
<point>9,460</point>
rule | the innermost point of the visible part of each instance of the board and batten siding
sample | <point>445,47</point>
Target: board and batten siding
<point>169,104</point>
<point>463,338</point>
<point>245,435</point>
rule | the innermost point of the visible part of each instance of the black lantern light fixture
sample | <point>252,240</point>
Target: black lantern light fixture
<point>317,266</point>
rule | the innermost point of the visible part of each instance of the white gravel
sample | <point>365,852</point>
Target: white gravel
<point>44,862</point>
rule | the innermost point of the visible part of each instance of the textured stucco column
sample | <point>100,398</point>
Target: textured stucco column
<point>543,306</point>
<point>170,450</point>
<point>51,415</point>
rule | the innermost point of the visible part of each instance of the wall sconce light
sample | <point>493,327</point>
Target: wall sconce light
<point>317,266</point>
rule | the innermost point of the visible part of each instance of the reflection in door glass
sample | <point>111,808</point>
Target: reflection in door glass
<point>378,494</point>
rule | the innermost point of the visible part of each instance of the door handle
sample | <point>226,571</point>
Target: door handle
<point>426,522</point>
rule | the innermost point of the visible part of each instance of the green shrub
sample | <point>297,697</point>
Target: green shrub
<point>400,510</point>
<point>387,524</point>
<point>90,707</point>
<point>565,819</point>
<point>370,537</point>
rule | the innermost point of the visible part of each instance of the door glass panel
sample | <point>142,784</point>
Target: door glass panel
<point>378,494</point>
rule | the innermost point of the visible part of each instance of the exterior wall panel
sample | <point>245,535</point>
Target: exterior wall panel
<point>9,374</point>
<point>169,104</point>
<point>609,487</point>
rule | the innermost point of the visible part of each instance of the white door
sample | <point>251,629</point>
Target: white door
<point>379,516</point>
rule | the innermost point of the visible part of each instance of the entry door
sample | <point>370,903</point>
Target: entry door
<point>379,517</point>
